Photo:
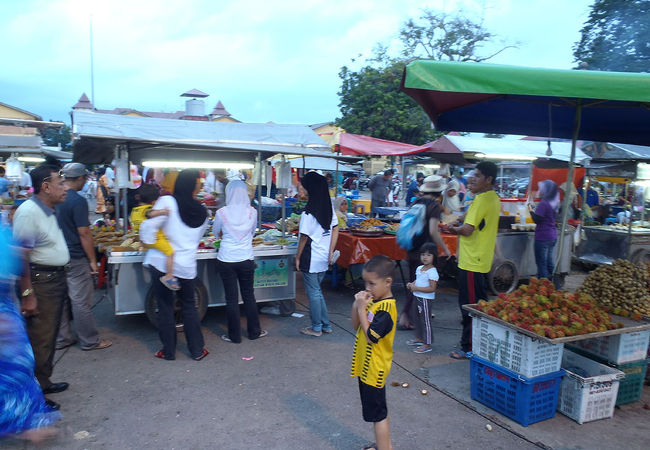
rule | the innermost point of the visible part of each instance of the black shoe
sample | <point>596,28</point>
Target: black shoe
<point>52,404</point>
<point>55,388</point>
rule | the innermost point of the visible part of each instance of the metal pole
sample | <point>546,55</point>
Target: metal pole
<point>92,65</point>
<point>565,202</point>
<point>284,206</point>
<point>259,191</point>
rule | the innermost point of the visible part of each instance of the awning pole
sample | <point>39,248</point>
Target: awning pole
<point>284,202</point>
<point>259,191</point>
<point>567,196</point>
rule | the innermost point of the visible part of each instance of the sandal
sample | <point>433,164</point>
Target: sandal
<point>422,349</point>
<point>372,446</point>
<point>459,354</point>
<point>160,354</point>
<point>414,342</point>
<point>203,354</point>
<point>171,284</point>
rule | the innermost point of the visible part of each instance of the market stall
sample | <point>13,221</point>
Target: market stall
<point>178,144</point>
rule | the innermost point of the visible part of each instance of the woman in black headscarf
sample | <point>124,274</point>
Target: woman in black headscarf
<point>318,235</point>
<point>183,225</point>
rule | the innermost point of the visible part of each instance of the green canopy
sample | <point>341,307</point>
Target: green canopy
<point>493,98</point>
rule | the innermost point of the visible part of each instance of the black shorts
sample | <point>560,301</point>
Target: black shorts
<point>373,402</point>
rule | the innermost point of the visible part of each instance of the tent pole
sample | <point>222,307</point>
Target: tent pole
<point>259,191</point>
<point>565,202</point>
<point>283,196</point>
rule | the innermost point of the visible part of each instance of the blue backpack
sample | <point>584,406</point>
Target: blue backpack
<point>413,224</point>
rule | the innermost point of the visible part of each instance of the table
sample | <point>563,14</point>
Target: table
<point>390,210</point>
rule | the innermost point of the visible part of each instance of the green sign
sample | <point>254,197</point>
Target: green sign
<point>271,273</point>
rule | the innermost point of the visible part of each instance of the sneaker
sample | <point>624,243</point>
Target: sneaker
<point>309,331</point>
<point>226,338</point>
<point>263,333</point>
<point>414,342</point>
<point>104,343</point>
<point>422,349</point>
<point>327,330</point>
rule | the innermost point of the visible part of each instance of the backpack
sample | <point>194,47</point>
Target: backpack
<point>412,225</point>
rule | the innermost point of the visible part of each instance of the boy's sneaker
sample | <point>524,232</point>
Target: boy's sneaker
<point>414,342</point>
<point>309,331</point>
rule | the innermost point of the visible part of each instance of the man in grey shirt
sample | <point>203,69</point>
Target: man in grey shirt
<point>379,187</point>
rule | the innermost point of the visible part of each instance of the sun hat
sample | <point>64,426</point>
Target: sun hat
<point>433,183</point>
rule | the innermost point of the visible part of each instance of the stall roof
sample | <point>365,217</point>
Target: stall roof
<point>318,163</point>
<point>358,144</point>
<point>97,134</point>
<point>604,151</point>
<point>509,149</point>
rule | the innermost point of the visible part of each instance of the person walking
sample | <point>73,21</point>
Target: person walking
<point>319,233</point>
<point>72,216</point>
<point>379,187</point>
<point>546,231</point>
<point>184,227</point>
<point>476,243</point>
<point>43,285</point>
<point>236,222</point>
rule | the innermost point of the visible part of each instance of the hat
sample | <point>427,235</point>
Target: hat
<point>74,170</point>
<point>433,183</point>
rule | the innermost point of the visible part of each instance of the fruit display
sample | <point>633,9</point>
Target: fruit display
<point>299,206</point>
<point>291,224</point>
<point>622,288</point>
<point>539,308</point>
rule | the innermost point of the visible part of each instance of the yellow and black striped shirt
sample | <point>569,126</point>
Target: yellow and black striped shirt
<point>373,353</point>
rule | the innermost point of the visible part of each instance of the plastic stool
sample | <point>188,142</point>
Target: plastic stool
<point>359,209</point>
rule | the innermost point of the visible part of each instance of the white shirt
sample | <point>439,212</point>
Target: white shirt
<point>316,253</point>
<point>183,239</point>
<point>231,249</point>
<point>36,227</point>
<point>422,279</point>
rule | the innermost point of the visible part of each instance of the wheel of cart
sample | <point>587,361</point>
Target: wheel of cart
<point>503,277</point>
<point>200,298</point>
<point>641,256</point>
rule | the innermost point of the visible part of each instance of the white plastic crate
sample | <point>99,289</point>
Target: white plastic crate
<point>589,389</point>
<point>618,349</point>
<point>513,350</point>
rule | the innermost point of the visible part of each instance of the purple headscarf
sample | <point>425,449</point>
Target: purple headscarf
<point>548,191</point>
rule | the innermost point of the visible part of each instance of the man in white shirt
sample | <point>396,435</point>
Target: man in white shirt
<point>43,284</point>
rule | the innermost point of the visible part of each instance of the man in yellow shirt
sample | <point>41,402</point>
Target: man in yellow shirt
<point>478,238</point>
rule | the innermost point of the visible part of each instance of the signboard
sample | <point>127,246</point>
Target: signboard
<point>271,273</point>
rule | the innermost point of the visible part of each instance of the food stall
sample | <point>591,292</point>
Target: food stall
<point>602,244</point>
<point>100,138</point>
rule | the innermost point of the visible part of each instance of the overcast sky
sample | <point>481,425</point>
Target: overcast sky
<point>266,61</point>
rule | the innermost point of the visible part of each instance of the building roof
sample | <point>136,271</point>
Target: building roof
<point>36,117</point>
<point>194,93</point>
<point>83,103</point>
<point>220,110</point>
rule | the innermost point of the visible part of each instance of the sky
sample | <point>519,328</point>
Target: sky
<point>266,61</point>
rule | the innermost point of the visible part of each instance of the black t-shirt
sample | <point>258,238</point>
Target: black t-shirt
<point>73,214</point>
<point>434,211</point>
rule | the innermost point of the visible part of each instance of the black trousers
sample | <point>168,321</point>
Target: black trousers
<point>242,272</point>
<point>50,289</point>
<point>472,287</point>
<point>166,321</point>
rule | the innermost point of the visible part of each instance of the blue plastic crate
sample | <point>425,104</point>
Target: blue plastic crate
<point>524,400</point>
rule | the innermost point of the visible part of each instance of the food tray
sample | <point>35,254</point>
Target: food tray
<point>588,390</point>
<point>618,349</point>
<point>393,233</point>
<point>514,351</point>
<point>525,400</point>
<point>363,233</point>
<point>629,326</point>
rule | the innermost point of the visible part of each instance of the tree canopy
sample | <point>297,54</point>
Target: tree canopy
<point>53,137</point>
<point>370,100</point>
<point>616,37</point>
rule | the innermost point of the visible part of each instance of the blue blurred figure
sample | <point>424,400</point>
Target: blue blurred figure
<point>24,413</point>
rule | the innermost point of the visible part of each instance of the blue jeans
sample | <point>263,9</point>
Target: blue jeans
<point>544,258</point>
<point>317,308</point>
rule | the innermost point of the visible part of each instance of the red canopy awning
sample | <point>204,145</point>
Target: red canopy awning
<point>357,144</point>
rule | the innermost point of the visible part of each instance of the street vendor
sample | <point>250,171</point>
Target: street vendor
<point>341,210</point>
<point>476,244</point>
<point>545,216</point>
<point>380,186</point>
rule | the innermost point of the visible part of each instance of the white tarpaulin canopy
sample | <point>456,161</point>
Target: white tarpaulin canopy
<point>318,163</point>
<point>514,149</point>
<point>96,135</point>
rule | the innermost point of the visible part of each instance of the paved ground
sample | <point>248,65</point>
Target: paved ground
<point>295,394</point>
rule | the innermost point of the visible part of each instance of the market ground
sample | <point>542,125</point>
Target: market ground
<point>295,393</point>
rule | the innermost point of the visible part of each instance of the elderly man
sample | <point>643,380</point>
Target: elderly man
<point>72,215</point>
<point>43,285</point>
<point>379,187</point>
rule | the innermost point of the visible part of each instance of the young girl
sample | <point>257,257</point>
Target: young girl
<point>424,290</point>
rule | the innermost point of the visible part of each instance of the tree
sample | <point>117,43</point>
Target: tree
<point>615,37</point>
<point>53,137</point>
<point>371,102</point>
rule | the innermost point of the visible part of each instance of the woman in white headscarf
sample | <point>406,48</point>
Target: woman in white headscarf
<point>236,222</point>
<point>450,200</point>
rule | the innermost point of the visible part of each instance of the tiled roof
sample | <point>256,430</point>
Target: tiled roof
<point>83,103</point>
<point>220,110</point>
<point>194,93</point>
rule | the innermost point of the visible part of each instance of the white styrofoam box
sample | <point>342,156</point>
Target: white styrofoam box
<point>513,350</point>
<point>618,349</point>
<point>589,389</point>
